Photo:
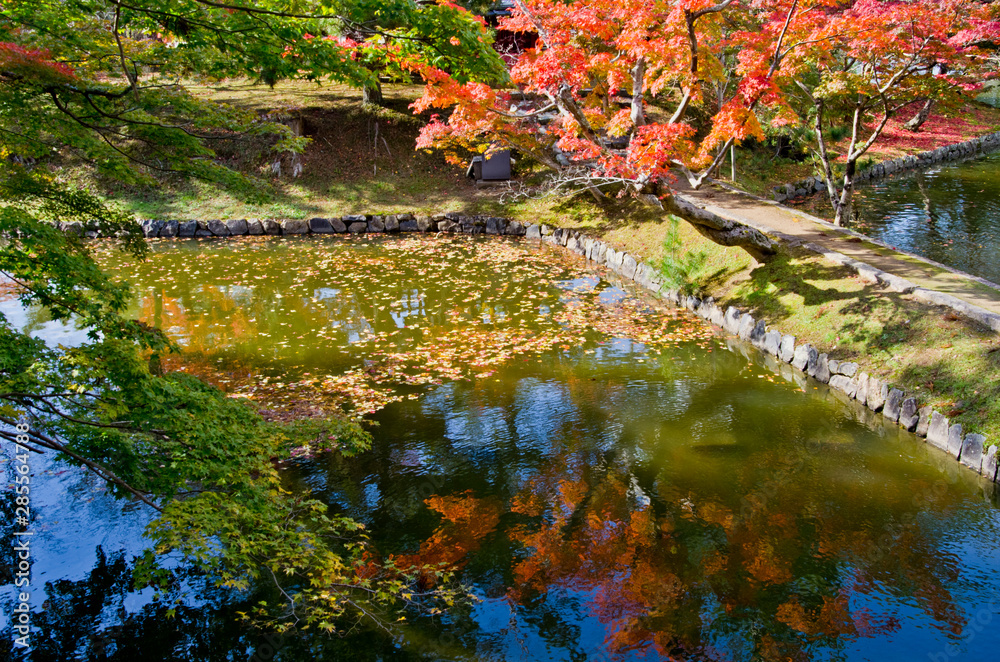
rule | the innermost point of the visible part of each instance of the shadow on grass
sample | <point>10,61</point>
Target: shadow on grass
<point>781,275</point>
<point>971,400</point>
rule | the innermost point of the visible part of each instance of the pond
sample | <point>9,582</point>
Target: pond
<point>611,479</point>
<point>949,213</point>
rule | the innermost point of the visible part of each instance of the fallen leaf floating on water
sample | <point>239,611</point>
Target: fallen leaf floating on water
<point>398,314</point>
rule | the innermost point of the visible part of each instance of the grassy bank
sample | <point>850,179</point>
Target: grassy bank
<point>362,160</point>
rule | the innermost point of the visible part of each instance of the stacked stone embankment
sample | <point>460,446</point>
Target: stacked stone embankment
<point>956,152</point>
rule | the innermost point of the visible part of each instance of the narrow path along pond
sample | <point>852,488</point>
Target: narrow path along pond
<point>949,213</point>
<point>608,476</point>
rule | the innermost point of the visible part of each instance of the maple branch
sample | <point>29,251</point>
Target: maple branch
<point>679,112</point>
<point>133,76</point>
<point>714,9</point>
<point>777,57</point>
<point>517,116</point>
<point>103,472</point>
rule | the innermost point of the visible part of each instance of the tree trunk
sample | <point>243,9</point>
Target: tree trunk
<point>638,112</point>
<point>918,120</point>
<point>843,205</point>
<point>372,93</point>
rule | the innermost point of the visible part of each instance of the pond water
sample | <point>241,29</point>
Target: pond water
<point>949,213</point>
<point>612,480</point>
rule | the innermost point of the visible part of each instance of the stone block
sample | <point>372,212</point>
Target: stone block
<point>546,229</point>
<point>271,227</point>
<point>955,439</point>
<point>852,387</point>
<point>408,226</point>
<point>237,226</point>
<point>392,223</point>
<point>924,421</point>
<point>861,395</point>
<point>989,466</point>
<point>878,392</point>
<point>937,431</point>
<point>757,333</point>
<point>821,371</point>
<point>613,259</point>
<point>376,224</point>
<point>599,253</point>
<point>629,265</point>
<point>339,226</point>
<point>732,324</point>
<point>787,352</point>
<point>909,414</point>
<point>772,342</point>
<point>515,228</point>
<point>255,227</point>
<point>841,383</point>
<point>533,232</point>
<point>169,229</point>
<point>972,451</point>
<point>426,224</point>
<point>473,226</point>
<point>494,225</point>
<point>893,404</point>
<point>402,218</point>
<point>320,226</point>
<point>218,228</point>
<point>187,228</point>
<point>294,227</point>
<point>358,227</point>
<point>805,358</point>
<point>354,218</point>
<point>847,368</point>
<point>747,323</point>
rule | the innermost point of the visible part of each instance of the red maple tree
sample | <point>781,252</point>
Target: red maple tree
<point>620,94</point>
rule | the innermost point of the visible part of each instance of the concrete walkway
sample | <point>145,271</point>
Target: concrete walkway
<point>929,281</point>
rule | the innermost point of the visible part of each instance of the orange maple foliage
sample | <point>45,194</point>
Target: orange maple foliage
<point>744,64</point>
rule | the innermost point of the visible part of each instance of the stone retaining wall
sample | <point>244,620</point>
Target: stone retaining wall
<point>843,376</point>
<point>963,150</point>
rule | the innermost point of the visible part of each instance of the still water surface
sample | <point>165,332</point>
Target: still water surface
<point>949,213</point>
<point>614,483</point>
